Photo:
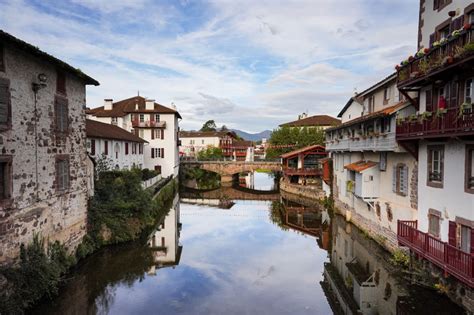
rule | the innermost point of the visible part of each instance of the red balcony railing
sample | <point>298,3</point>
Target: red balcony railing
<point>448,54</point>
<point>302,171</point>
<point>148,123</point>
<point>449,258</point>
<point>452,123</point>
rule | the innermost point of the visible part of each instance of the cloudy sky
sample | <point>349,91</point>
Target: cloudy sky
<point>249,65</point>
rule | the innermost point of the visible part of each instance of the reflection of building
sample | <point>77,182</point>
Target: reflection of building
<point>303,166</point>
<point>360,280</point>
<point>122,149</point>
<point>165,241</point>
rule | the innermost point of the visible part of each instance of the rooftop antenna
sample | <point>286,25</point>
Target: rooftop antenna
<point>138,93</point>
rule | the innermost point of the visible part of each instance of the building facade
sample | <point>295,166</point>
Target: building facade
<point>441,137</point>
<point>44,171</point>
<point>155,123</point>
<point>374,178</point>
<point>194,141</point>
<point>119,148</point>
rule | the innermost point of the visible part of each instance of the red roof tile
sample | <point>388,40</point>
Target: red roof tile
<point>317,120</point>
<point>129,105</point>
<point>95,129</point>
<point>360,166</point>
<point>315,147</point>
<point>205,134</point>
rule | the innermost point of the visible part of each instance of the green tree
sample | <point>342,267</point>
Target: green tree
<point>210,153</point>
<point>209,125</point>
<point>286,139</point>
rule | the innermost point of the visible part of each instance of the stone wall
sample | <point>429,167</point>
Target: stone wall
<point>36,206</point>
<point>312,192</point>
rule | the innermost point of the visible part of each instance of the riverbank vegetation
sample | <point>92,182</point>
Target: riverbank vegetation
<point>120,211</point>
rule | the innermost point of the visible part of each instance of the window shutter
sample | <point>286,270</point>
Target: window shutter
<point>472,241</point>
<point>126,148</point>
<point>93,147</point>
<point>429,100</point>
<point>452,233</point>
<point>152,153</point>
<point>152,117</point>
<point>61,82</point>
<point>458,23</point>
<point>454,94</point>
<point>61,112</point>
<point>162,153</point>
<point>435,4</point>
<point>106,147</point>
<point>162,134</point>
<point>404,180</point>
<point>4,102</point>
<point>152,134</point>
<point>432,39</point>
<point>394,179</point>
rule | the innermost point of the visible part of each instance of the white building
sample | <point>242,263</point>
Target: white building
<point>374,178</point>
<point>155,123</point>
<point>44,168</point>
<point>120,148</point>
<point>441,137</point>
<point>194,141</point>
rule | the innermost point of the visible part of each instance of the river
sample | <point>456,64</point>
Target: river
<point>273,253</point>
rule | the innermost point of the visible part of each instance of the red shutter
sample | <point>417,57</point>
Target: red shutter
<point>162,134</point>
<point>93,147</point>
<point>106,148</point>
<point>452,233</point>
<point>454,94</point>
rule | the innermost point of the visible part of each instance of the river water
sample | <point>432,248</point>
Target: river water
<point>271,253</point>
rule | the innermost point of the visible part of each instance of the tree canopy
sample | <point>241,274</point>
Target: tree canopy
<point>288,136</point>
<point>209,125</point>
<point>210,153</point>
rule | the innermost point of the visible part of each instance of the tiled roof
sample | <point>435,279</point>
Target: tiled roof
<point>95,129</point>
<point>360,166</point>
<point>242,143</point>
<point>129,105</point>
<point>305,149</point>
<point>35,51</point>
<point>317,120</point>
<point>380,113</point>
<point>205,134</point>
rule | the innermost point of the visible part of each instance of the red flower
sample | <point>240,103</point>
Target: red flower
<point>426,50</point>
<point>397,67</point>
<point>467,26</point>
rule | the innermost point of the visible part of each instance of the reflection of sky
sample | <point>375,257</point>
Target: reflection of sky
<point>233,262</point>
<point>263,181</point>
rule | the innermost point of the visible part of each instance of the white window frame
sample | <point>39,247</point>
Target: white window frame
<point>468,90</point>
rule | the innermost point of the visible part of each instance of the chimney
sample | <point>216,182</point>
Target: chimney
<point>150,104</point>
<point>108,104</point>
<point>173,106</point>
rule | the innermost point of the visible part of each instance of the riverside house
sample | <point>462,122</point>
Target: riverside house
<point>120,148</point>
<point>374,178</point>
<point>155,123</point>
<point>44,173</point>
<point>194,141</point>
<point>441,138</point>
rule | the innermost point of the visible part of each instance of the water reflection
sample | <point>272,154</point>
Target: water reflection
<point>361,279</point>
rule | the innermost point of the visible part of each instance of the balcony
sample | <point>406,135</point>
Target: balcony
<point>148,124</point>
<point>449,258</point>
<point>449,124</point>
<point>302,171</point>
<point>446,55</point>
<point>374,142</point>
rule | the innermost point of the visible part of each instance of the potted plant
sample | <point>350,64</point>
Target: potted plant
<point>456,33</point>
<point>426,115</point>
<point>465,108</point>
<point>467,26</point>
<point>447,60</point>
<point>413,118</point>
<point>424,66</point>
<point>436,44</point>
<point>440,112</point>
<point>469,48</point>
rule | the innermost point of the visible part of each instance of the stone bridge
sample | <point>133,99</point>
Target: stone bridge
<point>231,193</point>
<point>227,169</point>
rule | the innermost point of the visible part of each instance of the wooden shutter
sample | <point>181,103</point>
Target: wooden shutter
<point>162,134</point>
<point>106,147</point>
<point>454,94</point>
<point>472,241</point>
<point>126,148</point>
<point>61,112</point>
<point>394,179</point>
<point>162,153</point>
<point>152,117</point>
<point>4,102</point>
<point>429,100</point>
<point>93,147</point>
<point>432,39</point>
<point>152,153</point>
<point>452,233</point>
<point>152,134</point>
<point>457,23</point>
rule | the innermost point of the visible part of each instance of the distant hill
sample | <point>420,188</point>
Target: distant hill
<point>253,136</point>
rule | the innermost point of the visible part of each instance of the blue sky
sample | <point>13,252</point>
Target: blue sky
<point>249,65</point>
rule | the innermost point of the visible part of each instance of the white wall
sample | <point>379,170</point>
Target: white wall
<point>353,111</point>
<point>451,200</point>
<point>123,161</point>
<point>197,143</point>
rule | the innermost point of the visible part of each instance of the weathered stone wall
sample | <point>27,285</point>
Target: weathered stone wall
<point>312,192</point>
<point>38,207</point>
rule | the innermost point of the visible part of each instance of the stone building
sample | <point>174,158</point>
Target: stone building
<point>43,161</point>
<point>155,123</point>
<point>120,148</point>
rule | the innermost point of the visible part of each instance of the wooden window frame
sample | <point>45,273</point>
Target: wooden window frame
<point>398,187</point>
<point>7,202</point>
<point>437,214</point>
<point>62,158</point>
<point>8,125</point>
<point>2,57</point>
<point>468,170</point>
<point>441,4</point>
<point>430,183</point>
<point>61,82</point>
<point>61,101</point>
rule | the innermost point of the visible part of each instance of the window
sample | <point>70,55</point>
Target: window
<point>465,241</point>
<point>443,33</point>
<point>62,173</point>
<point>126,148</point>
<point>429,100</point>
<point>155,152</point>
<point>386,95</point>
<point>142,118</point>
<point>471,17</point>
<point>440,4</point>
<point>400,179</point>
<point>5,104</point>
<point>468,91</point>
<point>140,149</point>
<point>469,181</point>
<point>434,222</point>
<point>2,58</point>
<point>202,141</point>
<point>5,177</point>
<point>61,113</point>
<point>106,147</point>
<point>435,166</point>
<point>114,120</point>
<point>134,148</point>
<point>92,147</point>
<point>162,153</point>
<point>61,82</point>
<point>157,117</point>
